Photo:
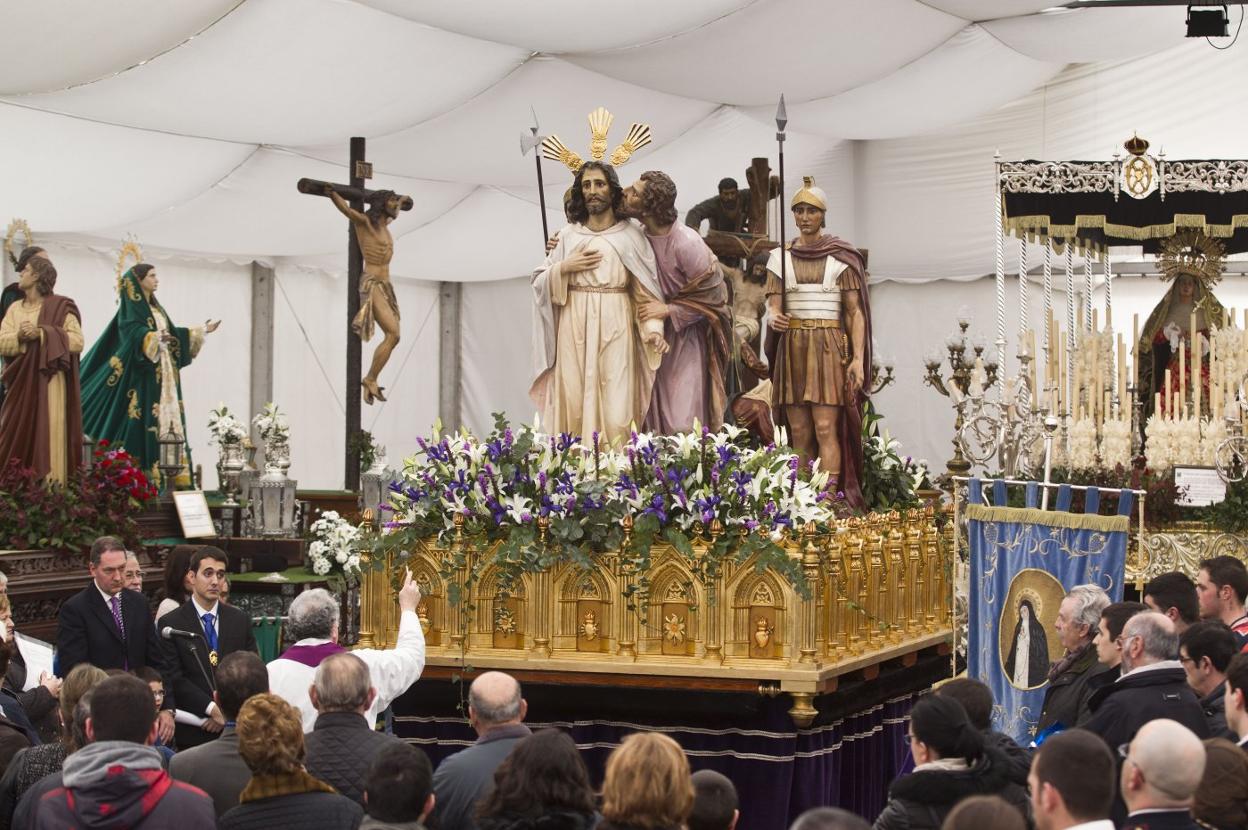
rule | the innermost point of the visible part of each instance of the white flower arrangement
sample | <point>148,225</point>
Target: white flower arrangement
<point>1083,444</point>
<point>1214,434</point>
<point>1185,442</point>
<point>224,427</point>
<point>1116,443</point>
<point>334,546</point>
<point>1158,443</point>
<point>271,424</point>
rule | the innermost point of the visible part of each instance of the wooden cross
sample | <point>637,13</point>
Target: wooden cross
<point>357,196</point>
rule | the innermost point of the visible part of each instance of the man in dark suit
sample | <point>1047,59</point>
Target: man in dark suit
<point>1161,770</point>
<point>110,627</point>
<point>216,767</point>
<point>223,630</point>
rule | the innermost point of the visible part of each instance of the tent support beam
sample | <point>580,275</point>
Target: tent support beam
<point>450,354</point>
<point>263,282</point>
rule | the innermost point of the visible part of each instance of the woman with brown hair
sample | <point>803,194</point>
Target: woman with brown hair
<point>1222,797</point>
<point>31,765</point>
<point>176,579</point>
<point>647,785</point>
<point>981,811</point>
<point>542,783</point>
<point>281,795</point>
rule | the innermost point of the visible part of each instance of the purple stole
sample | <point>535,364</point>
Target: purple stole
<point>311,656</point>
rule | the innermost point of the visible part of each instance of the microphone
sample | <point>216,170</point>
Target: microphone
<point>168,633</point>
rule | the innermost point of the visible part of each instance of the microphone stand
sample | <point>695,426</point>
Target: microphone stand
<point>212,685</point>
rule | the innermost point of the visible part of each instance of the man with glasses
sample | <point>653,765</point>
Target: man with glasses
<point>132,576</point>
<point>109,626</point>
<point>1161,770</point>
<point>1152,686</point>
<point>1205,650</point>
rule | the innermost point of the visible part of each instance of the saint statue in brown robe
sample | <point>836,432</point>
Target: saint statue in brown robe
<point>41,339</point>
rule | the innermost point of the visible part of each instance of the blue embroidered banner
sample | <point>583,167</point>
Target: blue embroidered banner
<point>1023,561</point>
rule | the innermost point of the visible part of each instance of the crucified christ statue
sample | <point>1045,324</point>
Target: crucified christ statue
<point>378,304</point>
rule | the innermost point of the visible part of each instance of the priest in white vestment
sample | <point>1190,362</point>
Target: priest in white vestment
<point>595,359</point>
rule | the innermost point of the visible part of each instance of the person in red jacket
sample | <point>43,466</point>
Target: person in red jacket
<point>117,779</point>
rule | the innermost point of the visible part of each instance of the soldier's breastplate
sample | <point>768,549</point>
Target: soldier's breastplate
<point>814,301</point>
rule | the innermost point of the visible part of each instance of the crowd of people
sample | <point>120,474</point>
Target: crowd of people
<point>172,719</point>
<point>1143,723</point>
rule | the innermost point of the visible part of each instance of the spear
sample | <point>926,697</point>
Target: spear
<point>782,119</point>
<point>527,143</point>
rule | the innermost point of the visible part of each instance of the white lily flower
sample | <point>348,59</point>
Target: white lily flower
<point>517,506</point>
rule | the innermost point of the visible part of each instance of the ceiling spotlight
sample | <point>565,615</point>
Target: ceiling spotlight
<point>1206,22</point>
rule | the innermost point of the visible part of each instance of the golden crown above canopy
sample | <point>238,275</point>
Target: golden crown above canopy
<point>1195,254</point>
<point>599,125</point>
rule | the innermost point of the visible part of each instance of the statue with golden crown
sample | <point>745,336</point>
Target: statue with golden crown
<point>1193,263</point>
<point>595,356</point>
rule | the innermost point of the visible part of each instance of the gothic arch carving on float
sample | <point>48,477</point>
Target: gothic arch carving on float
<point>432,610</point>
<point>673,613</point>
<point>502,617</point>
<point>760,626</point>
<point>584,620</point>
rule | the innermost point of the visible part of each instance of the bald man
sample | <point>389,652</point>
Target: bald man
<point>1152,685</point>
<point>496,713</point>
<point>1160,774</point>
<point>342,743</point>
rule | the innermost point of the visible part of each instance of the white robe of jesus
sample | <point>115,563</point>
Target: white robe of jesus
<point>593,371</point>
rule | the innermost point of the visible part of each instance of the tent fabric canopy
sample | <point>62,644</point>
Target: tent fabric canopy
<point>189,130</point>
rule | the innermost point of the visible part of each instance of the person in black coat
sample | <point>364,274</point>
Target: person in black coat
<point>1161,771</point>
<point>1153,686</point>
<point>976,699</point>
<point>88,632</point>
<point>342,743</point>
<point>1071,678</point>
<point>221,629</point>
<point>952,762</point>
<point>542,783</point>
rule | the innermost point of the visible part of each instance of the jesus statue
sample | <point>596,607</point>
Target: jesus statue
<point>595,358</point>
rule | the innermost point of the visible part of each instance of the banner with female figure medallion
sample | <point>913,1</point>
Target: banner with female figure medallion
<point>1023,561</point>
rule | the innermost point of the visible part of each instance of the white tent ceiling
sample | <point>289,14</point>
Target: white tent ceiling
<point>188,124</point>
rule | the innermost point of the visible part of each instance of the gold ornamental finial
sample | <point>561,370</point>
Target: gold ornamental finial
<point>600,121</point>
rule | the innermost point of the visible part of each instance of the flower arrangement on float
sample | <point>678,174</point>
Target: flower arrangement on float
<point>334,547</point>
<point>532,498</point>
<point>272,425</point>
<point>224,427</point>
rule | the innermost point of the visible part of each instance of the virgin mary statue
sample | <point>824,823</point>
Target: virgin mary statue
<point>1194,262</point>
<point>131,378</point>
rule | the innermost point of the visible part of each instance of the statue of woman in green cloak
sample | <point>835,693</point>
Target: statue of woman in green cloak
<point>131,381</point>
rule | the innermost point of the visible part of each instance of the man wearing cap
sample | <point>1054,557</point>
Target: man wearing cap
<point>820,344</point>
